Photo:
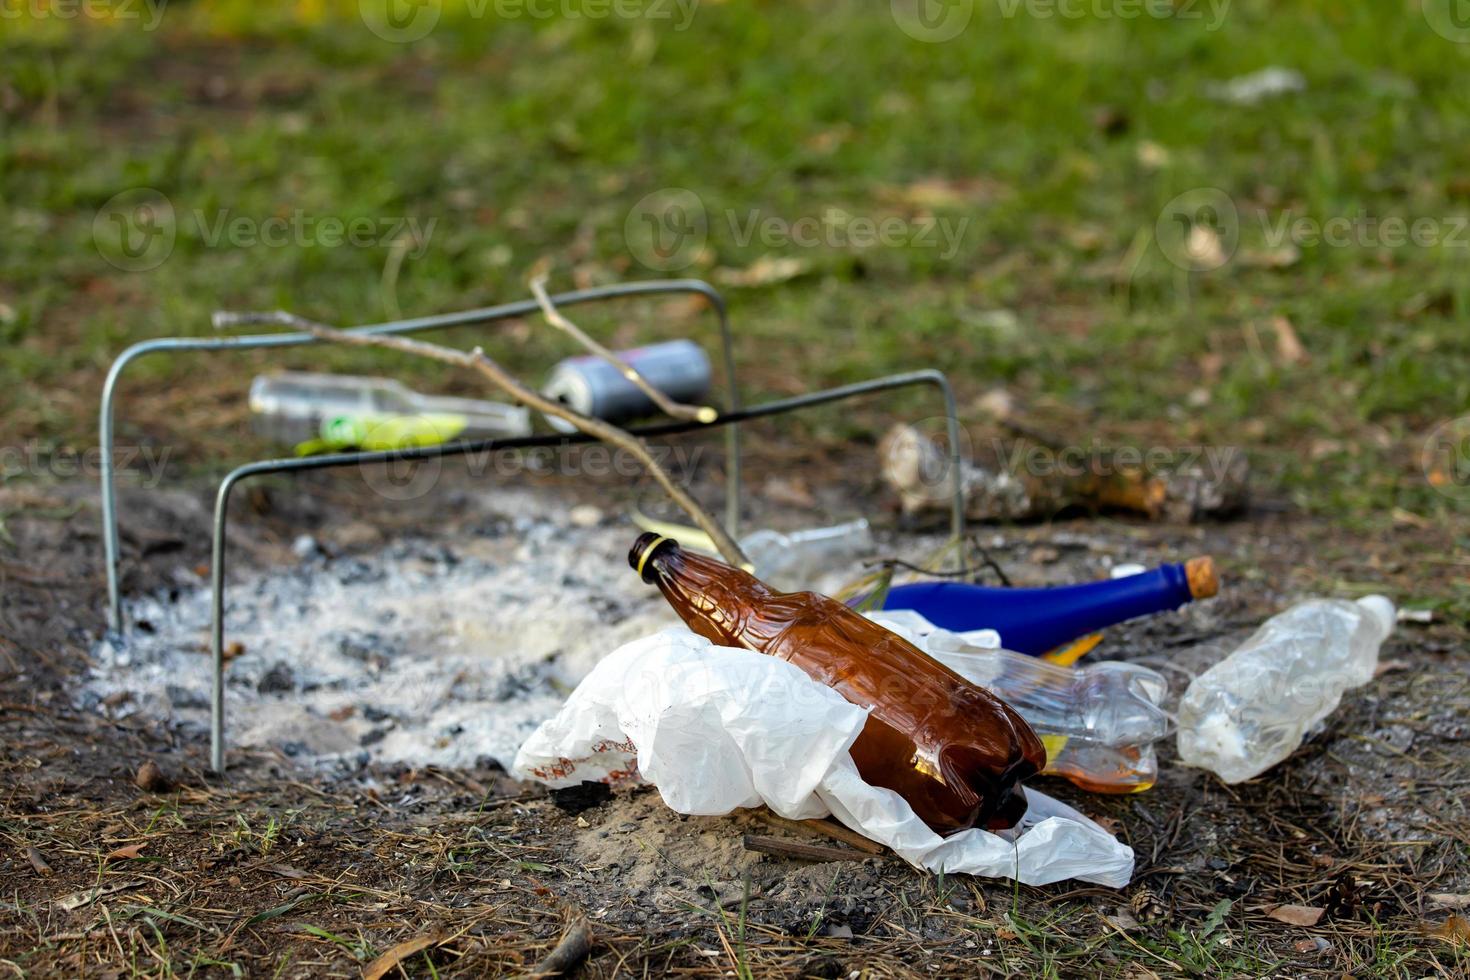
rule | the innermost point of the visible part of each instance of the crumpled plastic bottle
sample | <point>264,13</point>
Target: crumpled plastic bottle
<point>1099,723</point>
<point>1252,710</point>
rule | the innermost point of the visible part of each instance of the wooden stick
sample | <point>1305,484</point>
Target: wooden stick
<point>699,413</point>
<point>478,361</point>
<point>827,828</point>
<point>801,852</point>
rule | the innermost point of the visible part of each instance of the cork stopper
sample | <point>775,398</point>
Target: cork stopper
<point>1204,581</point>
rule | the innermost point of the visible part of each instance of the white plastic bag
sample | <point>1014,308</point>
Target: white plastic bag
<point>716,729</point>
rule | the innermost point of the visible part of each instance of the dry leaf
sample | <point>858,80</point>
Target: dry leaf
<point>1204,249</point>
<point>1123,921</point>
<point>1449,899</point>
<point>127,852</point>
<point>764,271</point>
<point>1296,915</point>
<point>1454,930</point>
<point>286,871</point>
<point>89,895</point>
<point>936,192</point>
<point>379,967</point>
<point>1282,257</point>
<point>1152,156</point>
<point>791,491</point>
<point>1289,349</point>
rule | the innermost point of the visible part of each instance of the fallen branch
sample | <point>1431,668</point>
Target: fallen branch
<point>478,361</point>
<point>678,410</point>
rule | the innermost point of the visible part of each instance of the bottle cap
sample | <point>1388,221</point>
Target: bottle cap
<point>643,549</point>
<point>1380,610</point>
<point>1203,579</point>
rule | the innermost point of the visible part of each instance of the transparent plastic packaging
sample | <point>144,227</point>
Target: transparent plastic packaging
<point>794,560</point>
<point>1098,723</point>
<point>1251,710</point>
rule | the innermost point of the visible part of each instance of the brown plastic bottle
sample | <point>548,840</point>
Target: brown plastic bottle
<point>954,751</point>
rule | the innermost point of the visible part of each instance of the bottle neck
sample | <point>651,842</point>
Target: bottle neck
<point>716,600</point>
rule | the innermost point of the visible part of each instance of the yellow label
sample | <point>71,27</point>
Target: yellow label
<point>382,432</point>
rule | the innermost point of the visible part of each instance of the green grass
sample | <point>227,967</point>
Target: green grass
<point>1058,141</point>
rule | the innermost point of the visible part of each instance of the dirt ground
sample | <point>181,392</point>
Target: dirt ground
<point>276,870</point>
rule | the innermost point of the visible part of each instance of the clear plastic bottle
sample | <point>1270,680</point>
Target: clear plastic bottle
<point>319,412</point>
<point>1099,723</point>
<point>794,560</point>
<point>1252,710</point>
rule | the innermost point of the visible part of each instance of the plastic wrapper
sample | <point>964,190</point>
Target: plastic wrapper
<point>716,729</point>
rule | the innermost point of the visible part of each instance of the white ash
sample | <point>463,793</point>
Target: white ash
<point>437,652</point>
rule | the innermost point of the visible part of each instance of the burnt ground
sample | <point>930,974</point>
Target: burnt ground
<point>274,870</point>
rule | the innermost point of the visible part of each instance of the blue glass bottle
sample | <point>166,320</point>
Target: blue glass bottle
<point>1034,621</point>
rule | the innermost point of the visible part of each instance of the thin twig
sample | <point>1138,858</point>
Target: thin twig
<point>678,410</point>
<point>477,360</point>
